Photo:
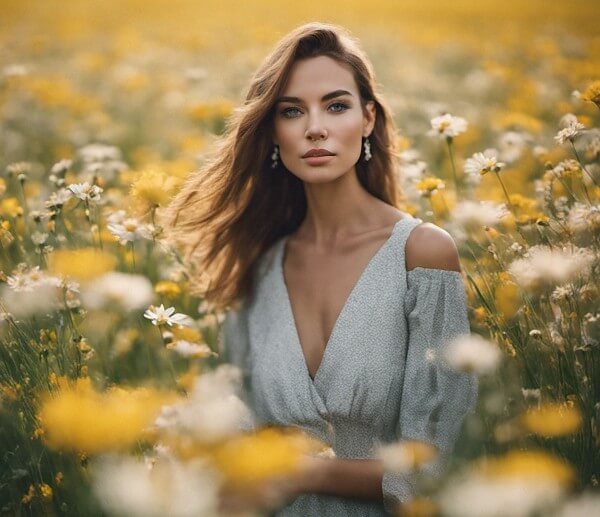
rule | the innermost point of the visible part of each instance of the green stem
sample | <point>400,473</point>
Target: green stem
<point>449,142</point>
<point>504,189</point>
<point>133,256</point>
<point>581,163</point>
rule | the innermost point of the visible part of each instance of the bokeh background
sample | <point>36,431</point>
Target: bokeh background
<point>105,108</point>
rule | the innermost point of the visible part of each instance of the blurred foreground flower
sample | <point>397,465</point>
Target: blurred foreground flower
<point>268,453</point>
<point>210,413</point>
<point>472,353</point>
<point>126,486</point>
<point>82,264</point>
<point>406,455</point>
<point>120,291</point>
<point>77,418</point>
<point>519,483</point>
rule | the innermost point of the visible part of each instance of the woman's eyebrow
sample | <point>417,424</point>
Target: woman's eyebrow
<point>327,96</point>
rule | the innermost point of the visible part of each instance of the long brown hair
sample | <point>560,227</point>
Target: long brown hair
<point>237,206</point>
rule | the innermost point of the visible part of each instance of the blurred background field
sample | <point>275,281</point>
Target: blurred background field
<point>106,106</point>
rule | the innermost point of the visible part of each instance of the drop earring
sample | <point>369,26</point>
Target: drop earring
<point>275,157</point>
<point>367,146</point>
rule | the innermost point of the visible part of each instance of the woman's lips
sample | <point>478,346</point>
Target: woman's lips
<point>318,160</point>
<point>317,152</point>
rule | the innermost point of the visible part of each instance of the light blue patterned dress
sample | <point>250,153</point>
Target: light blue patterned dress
<point>379,379</point>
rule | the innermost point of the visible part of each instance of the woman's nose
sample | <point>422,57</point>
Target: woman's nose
<point>315,130</point>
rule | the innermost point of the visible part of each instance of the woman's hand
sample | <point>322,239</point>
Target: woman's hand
<point>276,492</point>
<point>237,501</point>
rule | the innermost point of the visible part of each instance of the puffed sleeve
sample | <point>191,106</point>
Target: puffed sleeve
<point>435,399</point>
<point>235,346</point>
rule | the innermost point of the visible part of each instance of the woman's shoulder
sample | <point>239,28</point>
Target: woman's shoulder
<point>429,246</point>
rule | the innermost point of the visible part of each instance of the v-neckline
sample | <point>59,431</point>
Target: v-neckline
<point>357,284</point>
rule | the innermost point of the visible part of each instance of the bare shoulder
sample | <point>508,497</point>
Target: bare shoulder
<point>430,246</point>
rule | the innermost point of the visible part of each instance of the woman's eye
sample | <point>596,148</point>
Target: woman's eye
<point>286,112</point>
<point>343,106</point>
<point>337,107</point>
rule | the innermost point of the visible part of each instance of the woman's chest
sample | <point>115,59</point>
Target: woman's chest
<point>362,361</point>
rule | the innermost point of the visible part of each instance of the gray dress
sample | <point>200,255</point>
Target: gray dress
<point>379,379</point>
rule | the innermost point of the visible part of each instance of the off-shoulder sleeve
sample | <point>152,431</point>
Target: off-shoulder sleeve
<point>435,399</point>
<point>235,347</point>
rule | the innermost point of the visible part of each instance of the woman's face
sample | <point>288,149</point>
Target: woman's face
<point>320,109</point>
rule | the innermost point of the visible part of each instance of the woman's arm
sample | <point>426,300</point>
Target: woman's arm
<point>360,478</point>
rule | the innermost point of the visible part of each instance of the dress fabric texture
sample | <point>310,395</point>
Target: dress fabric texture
<point>382,377</point>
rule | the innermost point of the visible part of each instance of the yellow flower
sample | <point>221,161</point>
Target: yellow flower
<point>6,238</point>
<point>592,93</point>
<point>45,491</point>
<point>527,465</point>
<point>208,111</point>
<point>82,264</point>
<point>29,495</point>
<point>187,334</point>
<point>167,288</point>
<point>419,507</point>
<point>256,457</point>
<point>552,419</point>
<point>153,188</point>
<point>78,418</point>
<point>42,489</point>
<point>10,207</point>
<point>514,120</point>
<point>429,185</point>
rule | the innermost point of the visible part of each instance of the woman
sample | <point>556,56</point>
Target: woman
<point>342,302</point>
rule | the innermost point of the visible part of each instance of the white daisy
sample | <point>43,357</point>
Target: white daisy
<point>447,126</point>
<point>39,238</point>
<point>59,198</point>
<point>482,163</point>
<point>569,133</point>
<point>86,192</point>
<point>162,316</point>
<point>130,230</point>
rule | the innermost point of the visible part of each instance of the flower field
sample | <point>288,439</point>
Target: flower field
<point>114,395</point>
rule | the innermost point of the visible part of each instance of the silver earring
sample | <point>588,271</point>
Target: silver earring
<point>368,155</point>
<point>275,156</point>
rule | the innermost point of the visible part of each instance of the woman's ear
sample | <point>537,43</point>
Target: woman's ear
<point>369,118</point>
